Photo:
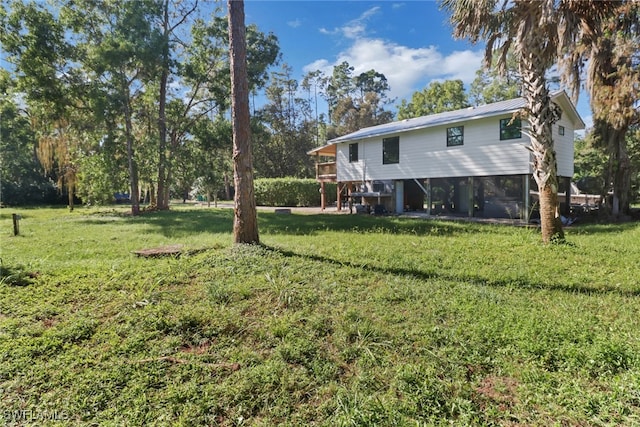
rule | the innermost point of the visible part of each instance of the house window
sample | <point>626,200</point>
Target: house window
<point>455,136</point>
<point>561,130</point>
<point>391,150</point>
<point>510,129</point>
<point>353,152</point>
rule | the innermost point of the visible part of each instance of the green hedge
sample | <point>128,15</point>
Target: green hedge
<point>291,192</point>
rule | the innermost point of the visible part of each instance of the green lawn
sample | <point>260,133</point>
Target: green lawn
<point>335,320</point>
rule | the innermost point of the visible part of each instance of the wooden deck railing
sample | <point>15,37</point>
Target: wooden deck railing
<point>326,171</point>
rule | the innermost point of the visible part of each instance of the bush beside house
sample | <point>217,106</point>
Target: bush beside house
<point>291,192</point>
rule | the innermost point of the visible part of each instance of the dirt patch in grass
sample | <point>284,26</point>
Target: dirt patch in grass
<point>49,322</point>
<point>197,349</point>
<point>170,250</point>
<point>502,391</point>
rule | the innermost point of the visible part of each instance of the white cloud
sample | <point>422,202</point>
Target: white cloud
<point>463,64</point>
<point>328,32</point>
<point>354,28</point>
<point>319,64</point>
<point>407,69</point>
<point>368,13</point>
<point>295,23</point>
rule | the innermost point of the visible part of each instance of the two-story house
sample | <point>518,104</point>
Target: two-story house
<point>471,162</point>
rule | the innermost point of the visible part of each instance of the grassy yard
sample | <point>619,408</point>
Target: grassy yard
<point>335,320</point>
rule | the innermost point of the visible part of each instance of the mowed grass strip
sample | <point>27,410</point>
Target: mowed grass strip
<point>334,320</point>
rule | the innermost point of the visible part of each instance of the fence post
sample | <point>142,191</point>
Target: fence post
<point>16,224</point>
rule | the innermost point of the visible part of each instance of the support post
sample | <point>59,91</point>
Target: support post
<point>323,196</point>
<point>470,199</point>
<point>16,224</point>
<point>399,193</point>
<point>567,196</point>
<point>527,199</point>
<point>339,197</point>
<point>428,193</point>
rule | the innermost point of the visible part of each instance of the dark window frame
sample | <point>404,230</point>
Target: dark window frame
<point>455,140</point>
<point>510,129</point>
<point>391,150</point>
<point>561,130</point>
<point>353,152</point>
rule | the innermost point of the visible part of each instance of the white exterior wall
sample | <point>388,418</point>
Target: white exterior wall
<point>424,153</point>
<point>563,145</point>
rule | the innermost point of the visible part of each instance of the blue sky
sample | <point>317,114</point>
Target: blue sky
<point>410,42</point>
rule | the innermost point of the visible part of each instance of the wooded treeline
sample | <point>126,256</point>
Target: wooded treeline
<point>105,97</point>
<point>134,97</point>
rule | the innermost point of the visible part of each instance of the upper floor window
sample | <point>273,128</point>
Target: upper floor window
<point>353,152</point>
<point>560,130</point>
<point>455,136</point>
<point>510,129</point>
<point>391,150</point>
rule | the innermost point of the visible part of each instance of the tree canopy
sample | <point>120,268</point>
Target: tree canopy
<point>610,53</point>
<point>438,97</point>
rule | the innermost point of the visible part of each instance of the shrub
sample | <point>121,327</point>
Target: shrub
<point>291,192</point>
<point>31,193</point>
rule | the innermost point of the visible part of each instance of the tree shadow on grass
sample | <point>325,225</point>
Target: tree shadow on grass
<point>594,229</point>
<point>16,276</point>
<point>190,222</point>
<point>180,223</point>
<point>518,283</point>
<point>174,223</point>
<point>271,223</point>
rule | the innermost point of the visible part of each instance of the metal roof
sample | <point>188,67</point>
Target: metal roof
<point>471,113</point>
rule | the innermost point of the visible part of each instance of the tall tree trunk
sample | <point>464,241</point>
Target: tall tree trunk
<point>133,167</point>
<point>152,195</point>
<point>541,114</point>
<point>618,172</point>
<point>163,182</point>
<point>70,190</point>
<point>612,84</point>
<point>227,187</point>
<point>622,177</point>
<point>245,224</point>
<point>168,170</point>
<point>168,177</point>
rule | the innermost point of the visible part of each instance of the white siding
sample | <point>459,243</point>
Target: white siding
<point>424,154</point>
<point>563,145</point>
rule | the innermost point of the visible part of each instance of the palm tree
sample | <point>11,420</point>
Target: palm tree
<point>537,31</point>
<point>612,53</point>
<point>245,223</point>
